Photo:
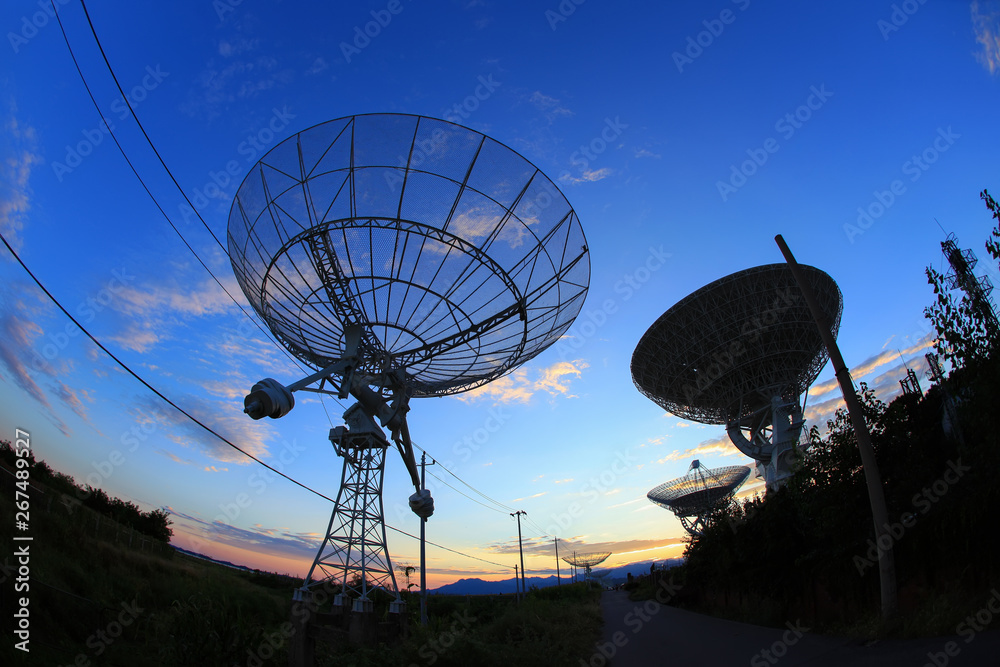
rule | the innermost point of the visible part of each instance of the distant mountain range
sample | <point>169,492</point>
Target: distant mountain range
<point>477,586</point>
<point>195,554</point>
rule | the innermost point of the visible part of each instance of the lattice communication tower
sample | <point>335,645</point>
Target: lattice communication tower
<point>697,494</point>
<point>740,351</point>
<point>977,289</point>
<point>398,256</point>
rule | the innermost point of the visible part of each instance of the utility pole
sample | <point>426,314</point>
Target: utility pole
<point>558,580</point>
<point>518,514</point>
<point>423,544</point>
<point>517,584</point>
<point>876,494</point>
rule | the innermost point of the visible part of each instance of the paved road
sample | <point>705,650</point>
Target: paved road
<point>648,634</point>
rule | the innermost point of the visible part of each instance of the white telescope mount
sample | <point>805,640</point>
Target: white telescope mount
<point>770,436</point>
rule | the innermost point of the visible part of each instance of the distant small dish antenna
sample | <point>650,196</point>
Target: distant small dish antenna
<point>700,492</point>
<point>398,256</point>
<point>587,561</point>
<point>739,352</point>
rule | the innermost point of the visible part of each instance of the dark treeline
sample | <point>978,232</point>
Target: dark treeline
<point>155,524</point>
<point>809,551</point>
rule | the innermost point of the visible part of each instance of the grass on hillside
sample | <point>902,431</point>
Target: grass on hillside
<point>94,602</point>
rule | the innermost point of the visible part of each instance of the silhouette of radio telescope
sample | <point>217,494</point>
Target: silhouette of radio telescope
<point>587,561</point>
<point>695,495</point>
<point>398,256</point>
<point>739,352</point>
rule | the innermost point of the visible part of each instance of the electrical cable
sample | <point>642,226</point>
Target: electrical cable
<point>153,389</point>
<point>153,197</point>
<point>203,264</point>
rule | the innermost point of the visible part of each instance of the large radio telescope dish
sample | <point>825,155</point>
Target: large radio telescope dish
<point>456,256</point>
<point>727,349</point>
<point>697,493</point>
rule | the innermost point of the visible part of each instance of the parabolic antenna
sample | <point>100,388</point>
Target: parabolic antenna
<point>457,257</point>
<point>587,561</point>
<point>398,256</point>
<point>740,351</point>
<point>693,496</point>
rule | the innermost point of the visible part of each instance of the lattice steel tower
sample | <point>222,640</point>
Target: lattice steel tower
<point>398,256</point>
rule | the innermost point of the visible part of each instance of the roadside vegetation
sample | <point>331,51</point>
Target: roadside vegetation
<point>97,600</point>
<point>808,552</point>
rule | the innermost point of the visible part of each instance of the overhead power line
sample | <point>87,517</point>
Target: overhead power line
<point>184,412</point>
<point>107,63</point>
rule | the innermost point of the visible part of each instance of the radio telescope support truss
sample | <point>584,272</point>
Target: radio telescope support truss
<point>354,556</point>
<point>398,256</point>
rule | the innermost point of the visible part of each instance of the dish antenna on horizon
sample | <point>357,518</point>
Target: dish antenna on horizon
<point>587,561</point>
<point>398,256</point>
<point>739,352</point>
<point>695,495</point>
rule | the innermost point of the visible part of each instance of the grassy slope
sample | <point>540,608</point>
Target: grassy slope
<point>194,612</point>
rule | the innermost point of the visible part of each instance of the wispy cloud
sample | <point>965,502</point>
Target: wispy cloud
<point>15,174</point>
<point>521,385</point>
<point>21,337</point>
<point>550,106</point>
<point>537,495</point>
<point>720,446</point>
<point>986,26</point>
<point>588,176</point>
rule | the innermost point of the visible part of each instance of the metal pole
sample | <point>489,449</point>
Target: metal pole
<point>517,584</point>
<point>876,495</point>
<point>558,580</point>
<point>423,545</point>
<point>518,514</point>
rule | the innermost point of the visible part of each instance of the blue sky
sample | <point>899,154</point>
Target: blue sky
<point>685,135</point>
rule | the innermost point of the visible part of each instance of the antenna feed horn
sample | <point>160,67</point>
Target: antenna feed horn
<point>268,398</point>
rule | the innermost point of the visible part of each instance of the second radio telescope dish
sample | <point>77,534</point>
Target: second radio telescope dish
<point>729,348</point>
<point>693,496</point>
<point>456,256</point>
